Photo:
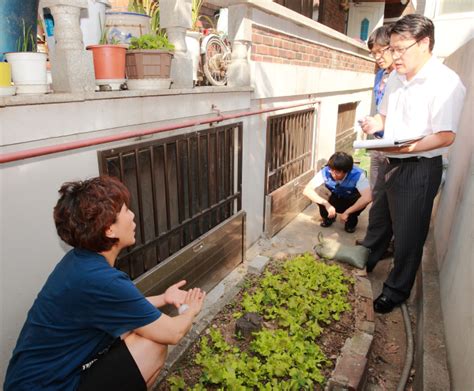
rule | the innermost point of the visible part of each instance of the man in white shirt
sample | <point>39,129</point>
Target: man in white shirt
<point>423,98</point>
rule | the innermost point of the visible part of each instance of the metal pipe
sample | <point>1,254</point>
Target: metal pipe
<point>42,151</point>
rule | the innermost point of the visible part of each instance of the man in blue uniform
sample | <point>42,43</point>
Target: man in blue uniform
<point>348,191</point>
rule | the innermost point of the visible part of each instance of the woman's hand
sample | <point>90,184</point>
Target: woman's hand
<point>194,300</point>
<point>175,296</point>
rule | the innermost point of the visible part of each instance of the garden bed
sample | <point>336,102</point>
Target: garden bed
<point>307,317</point>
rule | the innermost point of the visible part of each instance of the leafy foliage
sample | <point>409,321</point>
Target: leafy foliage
<point>27,41</point>
<point>301,298</point>
<point>151,41</point>
<point>150,8</point>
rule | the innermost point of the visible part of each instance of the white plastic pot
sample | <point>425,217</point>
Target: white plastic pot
<point>122,26</point>
<point>28,68</point>
<point>93,21</point>
<point>193,44</point>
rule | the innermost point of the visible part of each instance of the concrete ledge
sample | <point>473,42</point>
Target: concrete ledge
<point>350,372</point>
<point>431,364</point>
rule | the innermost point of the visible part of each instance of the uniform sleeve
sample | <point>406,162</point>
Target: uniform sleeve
<point>317,180</point>
<point>362,183</point>
<point>120,307</point>
<point>446,106</point>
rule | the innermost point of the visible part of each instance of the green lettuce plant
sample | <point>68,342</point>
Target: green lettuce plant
<point>151,41</point>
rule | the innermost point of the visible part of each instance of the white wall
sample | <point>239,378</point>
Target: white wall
<point>454,235</point>
<point>374,12</point>
<point>29,245</point>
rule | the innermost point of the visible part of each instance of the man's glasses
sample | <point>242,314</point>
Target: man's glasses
<point>379,53</point>
<point>401,51</point>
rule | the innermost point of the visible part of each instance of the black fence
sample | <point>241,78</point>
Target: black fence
<point>181,188</point>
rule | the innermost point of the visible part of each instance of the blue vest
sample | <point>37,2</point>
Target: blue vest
<point>346,188</point>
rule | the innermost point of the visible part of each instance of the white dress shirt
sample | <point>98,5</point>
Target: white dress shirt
<point>431,102</point>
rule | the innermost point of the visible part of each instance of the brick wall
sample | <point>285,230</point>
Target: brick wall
<point>271,46</point>
<point>333,15</point>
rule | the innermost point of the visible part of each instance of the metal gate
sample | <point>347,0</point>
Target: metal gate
<point>345,134</point>
<point>288,167</point>
<point>182,188</point>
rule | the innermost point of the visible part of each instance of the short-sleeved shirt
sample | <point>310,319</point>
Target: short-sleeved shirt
<point>430,102</point>
<point>318,180</point>
<point>83,307</point>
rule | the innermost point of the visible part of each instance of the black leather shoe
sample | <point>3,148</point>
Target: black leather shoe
<point>327,222</point>
<point>349,229</point>
<point>383,304</point>
<point>369,267</point>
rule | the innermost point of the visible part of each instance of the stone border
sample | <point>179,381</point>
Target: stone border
<point>350,372</point>
<point>216,300</point>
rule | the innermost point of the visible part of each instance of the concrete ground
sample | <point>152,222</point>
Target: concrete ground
<point>387,355</point>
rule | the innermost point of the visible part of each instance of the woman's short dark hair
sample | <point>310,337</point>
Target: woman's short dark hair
<point>86,209</point>
<point>380,36</point>
<point>341,161</point>
<point>415,26</point>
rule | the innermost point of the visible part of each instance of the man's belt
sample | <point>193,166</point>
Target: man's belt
<point>398,160</point>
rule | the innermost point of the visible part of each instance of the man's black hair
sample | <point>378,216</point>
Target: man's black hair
<point>380,36</point>
<point>415,26</point>
<point>341,161</point>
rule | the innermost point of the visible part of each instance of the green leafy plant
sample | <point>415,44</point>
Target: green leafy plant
<point>300,298</point>
<point>151,41</point>
<point>147,7</point>
<point>27,41</point>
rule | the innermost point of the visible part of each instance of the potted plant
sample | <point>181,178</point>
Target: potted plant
<point>141,15</point>
<point>148,62</point>
<point>28,66</point>
<point>150,8</point>
<point>109,63</point>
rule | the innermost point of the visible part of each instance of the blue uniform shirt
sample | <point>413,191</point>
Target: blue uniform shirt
<point>84,305</point>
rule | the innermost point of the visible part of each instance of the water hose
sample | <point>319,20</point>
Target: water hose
<point>409,352</point>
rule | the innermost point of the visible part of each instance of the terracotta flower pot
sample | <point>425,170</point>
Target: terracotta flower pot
<point>109,61</point>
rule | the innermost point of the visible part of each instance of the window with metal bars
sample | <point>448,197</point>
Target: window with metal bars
<point>345,134</point>
<point>181,188</point>
<point>289,146</point>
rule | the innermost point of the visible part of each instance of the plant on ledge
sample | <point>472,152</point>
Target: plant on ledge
<point>149,62</point>
<point>147,7</point>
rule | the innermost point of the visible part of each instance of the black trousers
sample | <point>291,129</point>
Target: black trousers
<point>405,192</point>
<point>341,204</point>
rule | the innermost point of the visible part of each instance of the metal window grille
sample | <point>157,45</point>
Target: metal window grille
<point>181,188</point>
<point>289,146</point>
<point>345,134</point>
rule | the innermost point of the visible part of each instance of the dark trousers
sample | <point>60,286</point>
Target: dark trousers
<point>341,204</point>
<point>405,192</point>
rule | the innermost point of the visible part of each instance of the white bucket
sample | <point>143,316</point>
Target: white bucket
<point>122,26</point>
<point>193,46</point>
<point>92,21</point>
<point>28,68</point>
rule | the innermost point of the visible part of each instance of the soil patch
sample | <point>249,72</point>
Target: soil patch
<point>330,341</point>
